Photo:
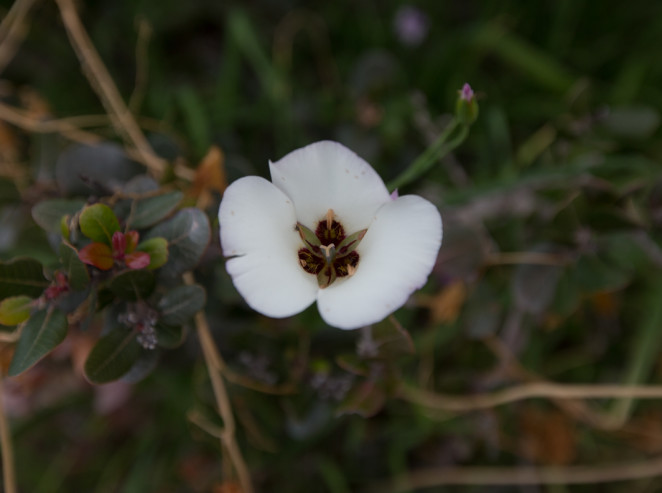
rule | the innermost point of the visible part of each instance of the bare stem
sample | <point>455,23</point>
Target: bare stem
<point>8,470</point>
<point>440,148</point>
<point>492,476</point>
<point>102,83</point>
<point>13,30</point>
<point>526,258</point>
<point>214,364</point>
<point>454,403</point>
<point>64,126</point>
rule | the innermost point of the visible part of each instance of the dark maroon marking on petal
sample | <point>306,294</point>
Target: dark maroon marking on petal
<point>327,235</point>
<point>329,254</point>
<point>309,262</point>
<point>342,265</point>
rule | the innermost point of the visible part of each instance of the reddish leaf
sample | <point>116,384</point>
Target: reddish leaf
<point>137,260</point>
<point>119,243</point>
<point>98,255</point>
<point>132,238</point>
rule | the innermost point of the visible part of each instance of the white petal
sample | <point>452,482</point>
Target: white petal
<point>396,257</point>
<point>257,230</point>
<point>326,175</point>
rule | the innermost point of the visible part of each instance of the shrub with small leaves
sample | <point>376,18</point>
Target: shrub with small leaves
<point>110,255</point>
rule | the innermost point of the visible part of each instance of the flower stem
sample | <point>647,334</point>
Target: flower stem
<point>214,365</point>
<point>440,148</point>
<point>8,474</point>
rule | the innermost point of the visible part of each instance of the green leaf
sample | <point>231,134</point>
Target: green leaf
<point>8,192</point>
<point>15,310</point>
<point>524,57</point>
<point>157,248</point>
<point>391,339</point>
<point>169,336</point>
<point>132,285</point>
<point>365,399</point>
<point>645,351</point>
<point>144,365</point>
<point>632,122</point>
<point>49,213</point>
<point>593,274</point>
<point>98,222</point>
<point>113,355</point>
<point>22,276</point>
<point>151,210</point>
<point>84,169</point>
<point>483,312</point>
<point>180,304</point>
<point>74,268</point>
<point>195,115</point>
<point>568,294</point>
<point>188,234</point>
<point>534,285</point>
<point>44,331</point>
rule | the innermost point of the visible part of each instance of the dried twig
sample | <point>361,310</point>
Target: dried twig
<point>8,469</point>
<point>577,408</point>
<point>144,35</point>
<point>13,30</point>
<point>214,363</point>
<point>100,80</point>
<point>455,403</point>
<point>526,258</point>
<point>429,478</point>
<point>68,127</point>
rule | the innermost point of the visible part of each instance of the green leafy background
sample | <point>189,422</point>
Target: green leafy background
<point>564,162</point>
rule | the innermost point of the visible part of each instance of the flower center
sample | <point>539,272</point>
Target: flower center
<point>328,253</point>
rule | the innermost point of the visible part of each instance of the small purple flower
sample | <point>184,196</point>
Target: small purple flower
<point>411,25</point>
<point>467,93</point>
<point>466,107</point>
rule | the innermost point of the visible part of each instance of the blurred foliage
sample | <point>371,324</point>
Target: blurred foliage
<point>550,267</point>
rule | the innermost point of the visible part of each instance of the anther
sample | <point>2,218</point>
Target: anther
<point>329,218</point>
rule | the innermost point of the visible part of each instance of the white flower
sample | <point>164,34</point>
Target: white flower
<point>284,238</point>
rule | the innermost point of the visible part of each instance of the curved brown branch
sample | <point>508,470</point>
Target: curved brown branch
<point>213,362</point>
<point>493,476</point>
<point>102,83</point>
<point>455,403</point>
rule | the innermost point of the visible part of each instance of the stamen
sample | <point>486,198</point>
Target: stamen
<point>329,218</point>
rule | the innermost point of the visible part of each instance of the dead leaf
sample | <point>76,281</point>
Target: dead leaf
<point>37,107</point>
<point>209,177</point>
<point>644,432</point>
<point>6,355</point>
<point>9,144</point>
<point>606,304</point>
<point>546,436</point>
<point>445,306</point>
<point>227,487</point>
